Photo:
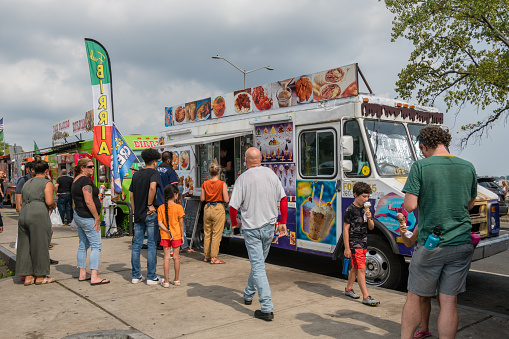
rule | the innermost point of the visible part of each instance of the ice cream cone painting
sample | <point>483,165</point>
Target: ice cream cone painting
<point>390,210</point>
<point>316,211</point>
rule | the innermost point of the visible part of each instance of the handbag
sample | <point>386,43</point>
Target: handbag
<point>55,217</point>
<point>74,225</point>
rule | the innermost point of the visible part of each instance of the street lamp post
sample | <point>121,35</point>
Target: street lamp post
<point>243,71</point>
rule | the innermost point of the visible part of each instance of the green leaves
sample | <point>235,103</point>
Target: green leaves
<point>461,54</point>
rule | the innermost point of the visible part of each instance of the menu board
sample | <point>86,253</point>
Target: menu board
<point>184,163</point>
<point>192,213</point>
<point>275,142</point>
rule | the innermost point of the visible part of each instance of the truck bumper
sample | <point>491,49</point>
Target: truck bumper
<point>491,246</point>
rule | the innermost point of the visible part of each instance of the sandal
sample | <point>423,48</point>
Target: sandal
<point>422,334</point>
<point>46,280</point>
<point>50,246</point>
<point>217,261</point>
<point>176,282</point>
<point>88,277</point>
<point>29,280</point>
<point>187,250</point>
<point>206,259</point>
<point>102,282</point>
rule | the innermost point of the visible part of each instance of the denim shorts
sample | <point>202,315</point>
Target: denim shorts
<point>445,266</point>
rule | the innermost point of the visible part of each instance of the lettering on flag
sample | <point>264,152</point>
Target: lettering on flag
<point>122,158</point>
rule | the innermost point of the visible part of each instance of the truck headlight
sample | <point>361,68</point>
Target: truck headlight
<point>493,222</point>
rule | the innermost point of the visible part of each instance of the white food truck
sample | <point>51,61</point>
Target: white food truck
<point>320,136</point>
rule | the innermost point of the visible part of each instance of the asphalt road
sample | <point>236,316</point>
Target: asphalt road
<point>487,281</point>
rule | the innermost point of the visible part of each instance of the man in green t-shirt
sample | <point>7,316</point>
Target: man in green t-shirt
<point>443,188</point>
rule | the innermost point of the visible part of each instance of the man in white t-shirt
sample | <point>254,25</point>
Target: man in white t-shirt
<point>256,195</point>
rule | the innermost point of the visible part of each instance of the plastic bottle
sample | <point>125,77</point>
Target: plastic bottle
<point>101,192</point>
<point>433,239</point>
<point>346,265</point>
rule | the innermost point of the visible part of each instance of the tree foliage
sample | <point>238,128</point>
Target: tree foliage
<point>4,145</point>
<point>461,55</point>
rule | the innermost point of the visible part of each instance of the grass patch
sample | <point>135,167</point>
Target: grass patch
<point>4,271</point>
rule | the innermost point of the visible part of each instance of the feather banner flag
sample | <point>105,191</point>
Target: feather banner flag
<point>122,157</point>
<point>100,76</point>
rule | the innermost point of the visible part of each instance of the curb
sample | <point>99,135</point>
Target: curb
<point>8,257</point>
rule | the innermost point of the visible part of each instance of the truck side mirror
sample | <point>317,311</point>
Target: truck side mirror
<point>347,165</point>
<point>346,150</point>
<point>346,145</point>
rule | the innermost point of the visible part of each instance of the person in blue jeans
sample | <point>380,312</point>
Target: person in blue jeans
<point>63,192</point>
<point>256,195</point>
<point>86,215</point>
<point>143,199</point>
<point>185,243</point>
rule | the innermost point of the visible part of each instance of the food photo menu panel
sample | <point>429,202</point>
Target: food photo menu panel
<point>275,142</point>
<point>335,83</point>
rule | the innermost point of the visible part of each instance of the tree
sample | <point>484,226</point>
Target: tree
<point>461,55</point>
<point>5,145</point>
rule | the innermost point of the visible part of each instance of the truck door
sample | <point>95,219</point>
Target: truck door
<point>359,162</point>
<point>318,220</point>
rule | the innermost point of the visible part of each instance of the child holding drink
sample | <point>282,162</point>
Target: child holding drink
<point>355,238</point>
<point>423,332</point>
<point>171,223</point>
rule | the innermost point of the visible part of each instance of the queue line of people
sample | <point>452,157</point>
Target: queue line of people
<point>257,192</point>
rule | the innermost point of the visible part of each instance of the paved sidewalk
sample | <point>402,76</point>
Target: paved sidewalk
<point>209,303</point>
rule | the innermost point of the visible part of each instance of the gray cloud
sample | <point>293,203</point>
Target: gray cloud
<point>161,56</point>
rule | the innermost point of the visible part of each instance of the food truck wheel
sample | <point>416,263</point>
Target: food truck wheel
<point>225,242</point>
<point>383,267</point>
<point>199,237</point>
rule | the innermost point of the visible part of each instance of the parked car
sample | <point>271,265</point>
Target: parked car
<point>493,186</point>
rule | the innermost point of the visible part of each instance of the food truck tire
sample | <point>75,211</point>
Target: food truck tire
<point>225,243</point>
<point>383,267</point>
<point>199,237</point>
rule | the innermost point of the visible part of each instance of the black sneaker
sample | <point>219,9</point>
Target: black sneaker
<point>248,302</point>
<point>264,316</point>
<point>53,262</point>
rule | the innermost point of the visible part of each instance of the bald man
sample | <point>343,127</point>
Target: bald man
<point>256,195</point>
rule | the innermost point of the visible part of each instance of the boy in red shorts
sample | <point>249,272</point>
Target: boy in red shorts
<point>357,220</point>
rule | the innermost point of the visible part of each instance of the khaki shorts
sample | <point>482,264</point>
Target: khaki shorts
<point>446,266</point>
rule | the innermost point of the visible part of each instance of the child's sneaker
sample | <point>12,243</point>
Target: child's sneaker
<point>352,294</point>
<point>370,301</point>
<point>176,282</point>
<point>165,284</point>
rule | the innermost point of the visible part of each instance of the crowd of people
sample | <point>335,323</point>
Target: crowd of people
<point>443,189</point>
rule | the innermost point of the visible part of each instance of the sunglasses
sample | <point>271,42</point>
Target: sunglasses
<point>91,166</point>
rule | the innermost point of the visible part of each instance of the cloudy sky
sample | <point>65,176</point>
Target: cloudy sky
<point>161,56</point>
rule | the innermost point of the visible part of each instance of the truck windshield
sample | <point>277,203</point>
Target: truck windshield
<point>390,147</point>
<point>413,130</point>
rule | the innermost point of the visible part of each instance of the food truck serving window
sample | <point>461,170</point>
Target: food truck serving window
<point>229,153</point>
<point>317,153</point>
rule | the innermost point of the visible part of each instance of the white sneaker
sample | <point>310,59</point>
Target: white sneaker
<point>140,279</point>
<point>156,281</point>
